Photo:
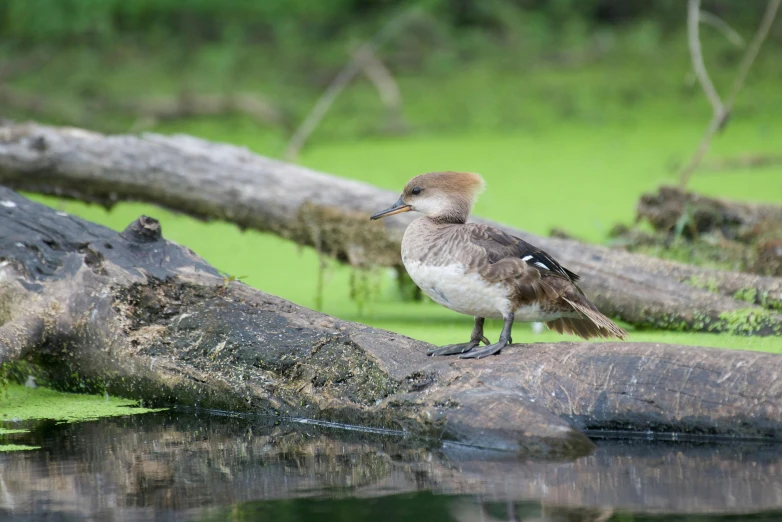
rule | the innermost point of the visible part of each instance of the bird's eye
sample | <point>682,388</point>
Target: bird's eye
<point>416,191</point>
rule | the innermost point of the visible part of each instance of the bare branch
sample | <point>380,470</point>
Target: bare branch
<point>752,52</point>
<point>696,54</point>
<point>341,80</point>
<point>722,26</point>
<point>721,111</point>
<point>387,88</point>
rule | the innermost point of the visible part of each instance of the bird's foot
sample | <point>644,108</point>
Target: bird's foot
<point>454,349</point>
<point>492,349</point>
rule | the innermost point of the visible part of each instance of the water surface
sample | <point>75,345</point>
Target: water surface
<point>178,465</point>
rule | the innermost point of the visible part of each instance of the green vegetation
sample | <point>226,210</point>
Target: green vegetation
<point>290,21</point>
<point>20,404</point>
<point>748,321</point>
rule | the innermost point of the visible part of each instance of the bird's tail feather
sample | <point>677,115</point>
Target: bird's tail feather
<point>591,324</point>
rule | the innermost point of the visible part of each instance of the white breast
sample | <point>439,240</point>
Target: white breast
<point>461,291</point>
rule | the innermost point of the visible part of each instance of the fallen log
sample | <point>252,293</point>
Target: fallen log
<point>330,214</point>
<point>138,316</point>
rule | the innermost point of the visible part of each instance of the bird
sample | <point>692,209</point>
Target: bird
<point>482,271</point>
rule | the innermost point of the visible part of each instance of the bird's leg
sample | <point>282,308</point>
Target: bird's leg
<point>475,340</point>
<point>496,347</point>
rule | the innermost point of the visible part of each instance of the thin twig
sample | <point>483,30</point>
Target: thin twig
<point>722,111</point>
<point>387,89</point>
<point>696,54</point>
<point>722,26</point>
<point>343,78</point>
<point>752,51</point>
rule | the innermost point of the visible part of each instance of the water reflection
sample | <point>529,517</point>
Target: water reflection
<point>173,466</point>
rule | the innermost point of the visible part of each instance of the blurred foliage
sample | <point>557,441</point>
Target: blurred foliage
<point>280,21</point>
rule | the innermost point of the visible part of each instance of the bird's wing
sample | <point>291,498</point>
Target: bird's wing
<point>502,248</point>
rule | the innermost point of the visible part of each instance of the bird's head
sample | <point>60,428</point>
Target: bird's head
<point>442,196</point>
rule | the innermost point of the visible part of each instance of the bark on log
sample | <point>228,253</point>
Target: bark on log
<point>217,181</point>
<point>142,317</point>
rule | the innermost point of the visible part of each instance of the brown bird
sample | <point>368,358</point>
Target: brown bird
<point>481,271</point>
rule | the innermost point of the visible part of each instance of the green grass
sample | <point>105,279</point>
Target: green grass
<point>20,403</point>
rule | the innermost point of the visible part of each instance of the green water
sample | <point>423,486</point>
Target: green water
<point>577,177</point>
<point>20,405</point>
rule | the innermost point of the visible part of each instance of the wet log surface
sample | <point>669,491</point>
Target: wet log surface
<point>142,317</point>
<point>217,181</point>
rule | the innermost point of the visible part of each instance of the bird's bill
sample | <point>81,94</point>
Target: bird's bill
<point>397,208</point>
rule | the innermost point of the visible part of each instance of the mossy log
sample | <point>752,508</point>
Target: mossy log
<point>217,181</point>
<point>737,235</point>
<point>138,316</point>
<point>672,207</point>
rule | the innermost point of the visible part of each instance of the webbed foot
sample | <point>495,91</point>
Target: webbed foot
<point>454,349</point>
<point>497,347</point>
<point>485,352</point>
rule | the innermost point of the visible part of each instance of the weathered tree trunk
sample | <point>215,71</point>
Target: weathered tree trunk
<point>142,317</point>
<point>217,181</point>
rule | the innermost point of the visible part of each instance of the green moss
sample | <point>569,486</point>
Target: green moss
<point>769,302</point>
<point>704,283</point>
<point>749,295</point>
<point>340,369</point>
<point>748,321</point>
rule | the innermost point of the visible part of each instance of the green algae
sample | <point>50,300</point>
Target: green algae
<point>20,403</point>
<point>5,431</point>
<point>17,447</point>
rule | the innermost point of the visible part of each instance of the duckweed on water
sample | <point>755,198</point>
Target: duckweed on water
<point>19,403</point>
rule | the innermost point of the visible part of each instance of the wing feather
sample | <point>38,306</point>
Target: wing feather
<point>500,246</point>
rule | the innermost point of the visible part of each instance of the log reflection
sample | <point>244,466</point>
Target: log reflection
<point>150,465</point>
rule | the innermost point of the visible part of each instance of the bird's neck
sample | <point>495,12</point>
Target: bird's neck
<point>455,213</point>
